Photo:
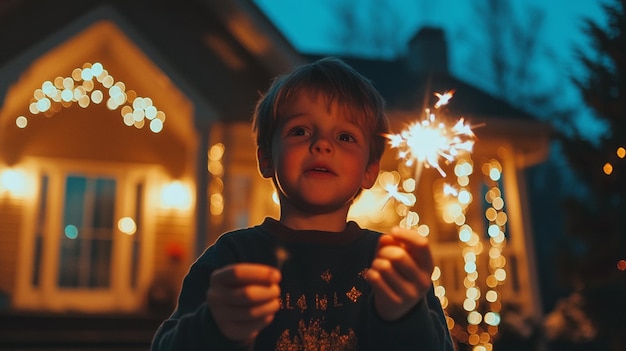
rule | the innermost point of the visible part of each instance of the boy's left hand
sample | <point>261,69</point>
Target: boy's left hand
<point>400,274</point>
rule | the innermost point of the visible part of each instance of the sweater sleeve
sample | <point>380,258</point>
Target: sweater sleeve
<point>423,328</point>
<point>191,326</point>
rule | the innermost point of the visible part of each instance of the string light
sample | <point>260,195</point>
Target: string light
<point>81,88</point>
<point>216,184</point>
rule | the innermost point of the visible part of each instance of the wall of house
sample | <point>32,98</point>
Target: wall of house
<point>11,216</point>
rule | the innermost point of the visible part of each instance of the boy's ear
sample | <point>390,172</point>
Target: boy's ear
<point>371,174</point>
<point>266,167</point>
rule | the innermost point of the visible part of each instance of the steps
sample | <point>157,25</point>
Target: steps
<point>51,332</point>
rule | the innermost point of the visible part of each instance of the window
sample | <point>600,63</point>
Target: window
<point>87,233</point>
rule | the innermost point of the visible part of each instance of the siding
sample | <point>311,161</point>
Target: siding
<point>11,215</point>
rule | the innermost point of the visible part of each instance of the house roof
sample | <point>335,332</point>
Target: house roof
<point>231,37</point>
<point>406,90</point>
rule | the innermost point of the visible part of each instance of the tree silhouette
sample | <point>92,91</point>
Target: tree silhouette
<point>592,261</point>
<point>367,28</point>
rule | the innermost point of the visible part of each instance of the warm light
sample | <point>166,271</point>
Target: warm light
<point>427,141</point>
<point>474,318</point>
<point>127,225</point>
<point>492,318</point>
<point>216,152</point>
<point>491,296</point>
<point>607,168</point>
<point>436,274</point>
<point>217,204</point>
<point>500,274</point>
<point>13,181</point>
<point>443,98</point>
<point>621,265</point>
<point>21,122</point>
<point>176,195</point>
<point>621,152</point>
<point>79,88</point>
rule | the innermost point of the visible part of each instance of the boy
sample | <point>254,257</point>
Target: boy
<point>312,280</point>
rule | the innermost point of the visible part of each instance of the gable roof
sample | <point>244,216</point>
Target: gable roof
<point>223,49</point>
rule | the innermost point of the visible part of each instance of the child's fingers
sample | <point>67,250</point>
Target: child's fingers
<point>246,274</point>
<point>254,314</point>
<point>244,298</point>
<point>381,287</point>
<point>395,260</point>
<point>399,287</point>
<point>416,246</point>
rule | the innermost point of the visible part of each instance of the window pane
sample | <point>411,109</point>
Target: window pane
<point>87,236</point>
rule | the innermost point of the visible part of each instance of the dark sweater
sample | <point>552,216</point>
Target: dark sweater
<point>326,302</point>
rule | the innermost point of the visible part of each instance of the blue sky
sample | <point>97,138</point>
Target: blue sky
<point>310,26</point>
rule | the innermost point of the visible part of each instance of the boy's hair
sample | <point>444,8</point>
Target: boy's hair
<point>337,82</point>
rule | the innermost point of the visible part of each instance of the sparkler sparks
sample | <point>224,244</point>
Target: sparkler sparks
<point>425,142</point>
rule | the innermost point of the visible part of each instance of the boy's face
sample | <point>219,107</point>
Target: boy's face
<point>319,159</point>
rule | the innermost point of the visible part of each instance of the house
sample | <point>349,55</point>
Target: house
<point>125,149</point>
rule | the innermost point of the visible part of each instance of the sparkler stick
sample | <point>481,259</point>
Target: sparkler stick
<point>282,255</point>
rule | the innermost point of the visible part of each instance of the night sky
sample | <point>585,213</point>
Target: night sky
<point>311,26</point>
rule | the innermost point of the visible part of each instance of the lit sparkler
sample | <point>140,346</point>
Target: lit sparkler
<point>425,142</point>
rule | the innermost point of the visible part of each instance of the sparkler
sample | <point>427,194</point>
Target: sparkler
<point>424,143</point>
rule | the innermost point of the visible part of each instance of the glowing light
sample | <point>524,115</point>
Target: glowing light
<point>127,225</point>
<point>436,274</point>
<point>427,141</point>
<point>500,274</point>
<point>465,234</point>
<point>21,122</point>
<point>156,125</point>
<point>494,174</point>
<point>491,296</point>
<point>217,204</point>
<point>621,265</point>
<point>607,168</point>
<point>71,231</point>
<point>621,152</point>
<point>423,229</point>
<point>443,98</point>
<point>13,181</point>
<point>389,181</point>
<point>176,195</point>
<point>79,88</point>
<point>492,318</point>
<point>275,198</point>
<point>474,318</point>
<point>469,305</point>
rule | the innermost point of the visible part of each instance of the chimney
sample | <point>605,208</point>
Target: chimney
<point>428,52</point>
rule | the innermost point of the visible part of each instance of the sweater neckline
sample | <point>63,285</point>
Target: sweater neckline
<point>280,231</point>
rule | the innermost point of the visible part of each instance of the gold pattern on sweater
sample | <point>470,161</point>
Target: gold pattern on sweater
<point>326,276</point>
<point>354,294</point>
<point>313,337</point>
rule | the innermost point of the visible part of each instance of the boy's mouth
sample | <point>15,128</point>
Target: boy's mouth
<point>320,170</point>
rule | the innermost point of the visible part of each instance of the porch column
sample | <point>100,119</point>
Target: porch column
<point>202,181</point>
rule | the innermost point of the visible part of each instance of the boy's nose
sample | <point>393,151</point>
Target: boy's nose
<point>321,145</point>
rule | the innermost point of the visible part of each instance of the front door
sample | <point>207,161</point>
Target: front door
<point>86,243</point>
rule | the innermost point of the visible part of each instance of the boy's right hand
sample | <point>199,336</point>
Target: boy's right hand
<point>243,299</point>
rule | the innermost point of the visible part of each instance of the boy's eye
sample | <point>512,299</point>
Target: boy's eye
<point>297,131</point>
<point>346,137</point>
